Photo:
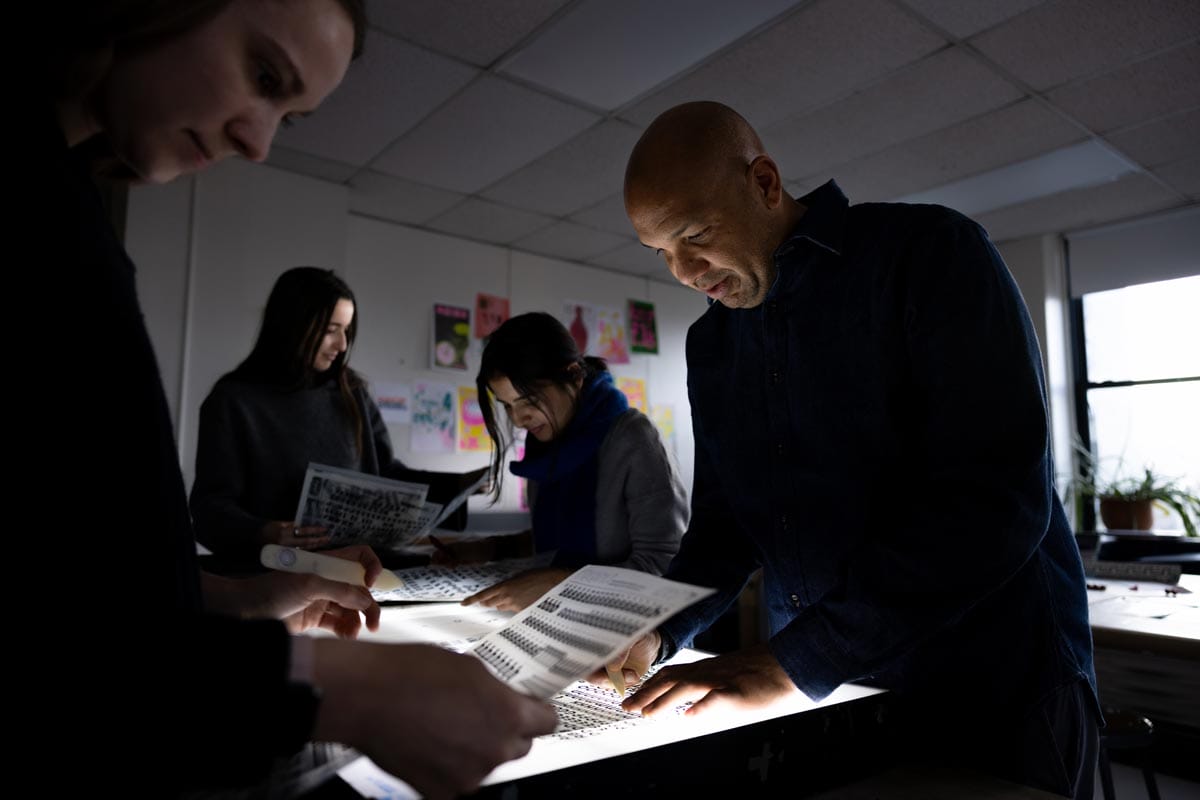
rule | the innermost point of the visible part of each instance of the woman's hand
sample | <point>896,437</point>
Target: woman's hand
<point>289,534</point>
<point>301,601</point>
<point>518,592</point>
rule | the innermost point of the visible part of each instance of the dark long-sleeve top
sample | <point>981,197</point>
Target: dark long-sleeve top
<point>131,684</point>
<point>874,436</point>
<point>255,443</point>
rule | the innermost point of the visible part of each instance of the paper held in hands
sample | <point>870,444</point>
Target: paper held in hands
<point>357,508</point>
<point>580,625</point>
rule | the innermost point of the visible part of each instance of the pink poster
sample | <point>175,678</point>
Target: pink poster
<point>634,390</point>
<point>472,430</point>
<point>490,313</point>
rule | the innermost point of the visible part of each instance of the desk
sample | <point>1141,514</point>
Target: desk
<point>1147,648</point>
<point>794,748</point>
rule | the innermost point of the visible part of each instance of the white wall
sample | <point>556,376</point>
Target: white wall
<point>209,249</point>
<point>1038,266</point>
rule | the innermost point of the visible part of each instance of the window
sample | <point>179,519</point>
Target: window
<point>1138,382</point>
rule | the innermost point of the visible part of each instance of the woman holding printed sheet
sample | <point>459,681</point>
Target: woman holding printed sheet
<point>601,485</point>
<point>142,675</point>
<point>294,400</point>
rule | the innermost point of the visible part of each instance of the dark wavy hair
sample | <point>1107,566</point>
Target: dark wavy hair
<point>293,324</point>
<point>533,351</point>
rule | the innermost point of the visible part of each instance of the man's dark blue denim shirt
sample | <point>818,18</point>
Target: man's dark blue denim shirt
<point>874,436</point>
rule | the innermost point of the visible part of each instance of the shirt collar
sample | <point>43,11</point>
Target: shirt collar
<point>823,222</point>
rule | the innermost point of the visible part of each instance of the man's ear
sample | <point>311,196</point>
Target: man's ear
<point>767,182</point>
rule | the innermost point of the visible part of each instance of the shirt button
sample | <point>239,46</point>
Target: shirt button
<point>775,376</point>
<point>796,600</point>
<point>779,448</point>
<point>783,520</point>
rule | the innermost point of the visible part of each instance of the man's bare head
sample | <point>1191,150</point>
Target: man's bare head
<point>700,190</point>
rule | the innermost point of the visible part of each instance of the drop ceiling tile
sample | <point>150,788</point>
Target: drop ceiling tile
<point>1183,176</point>
<point>805,61</point>
<point>634,259</point>
<point>378,195</point>
<point>607,215</point>
<point>1141,91</point>
<point>1162,141</point>
<point>1014,133</point>
<point>303,163</point>
<point>469,30</point>
<point>604,53</point>
<point>1080,208</point>
<point>570,241</point>
<point>966,19</point>
<point>574,176</point>
<point>490,129</point>
<point>385,93</point>
<point>935,92</point>
<point>488,222</point>
<point>1069,39</point>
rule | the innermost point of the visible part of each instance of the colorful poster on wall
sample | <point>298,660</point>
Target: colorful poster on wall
<point>663,417</point>
<point>490,313</point>
<point>634,390</point>
<point>643,333</point>
<point>580,319</point>
<point>433,418</point>
<point>394,401</point>
<point>451,335</point>
<point>611,344</point>
<point>472,430</point>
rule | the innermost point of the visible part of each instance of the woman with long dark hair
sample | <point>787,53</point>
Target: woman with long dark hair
<point>601,486</point>
<point>292,401</point>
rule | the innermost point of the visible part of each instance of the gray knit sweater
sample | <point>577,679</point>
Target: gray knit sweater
<point>641,505</point>
<point>255,443</point>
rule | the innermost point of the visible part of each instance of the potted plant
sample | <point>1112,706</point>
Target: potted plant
<point>1127,502</point>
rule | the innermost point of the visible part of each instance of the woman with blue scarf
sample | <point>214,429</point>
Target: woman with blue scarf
<point>601,486</point>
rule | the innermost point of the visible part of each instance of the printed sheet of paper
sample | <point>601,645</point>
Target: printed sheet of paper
<point>448,625</point>
<point>593,726</point>
<point>440,584</point>
<point>579,625</point>
<point>358,508</point>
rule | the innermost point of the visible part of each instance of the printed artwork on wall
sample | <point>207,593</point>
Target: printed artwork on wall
<point>611,344</point>
<point>472,430</point>
<point>394,401</point>
<point>597,331</point>
<point>643,333</point>
<point>451,335</point>
<point>634,390</point>
<point>433,418</point>
<point>580,319</point>
<point>490,313</point>
<point>663,417</point>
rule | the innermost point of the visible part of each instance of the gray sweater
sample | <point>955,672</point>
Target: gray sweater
<point>641,505</point>
<point>255,443</point>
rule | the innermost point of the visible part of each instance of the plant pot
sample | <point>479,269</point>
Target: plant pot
<point>1127,515</point>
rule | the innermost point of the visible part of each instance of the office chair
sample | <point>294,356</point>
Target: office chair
<point>1125,730</point>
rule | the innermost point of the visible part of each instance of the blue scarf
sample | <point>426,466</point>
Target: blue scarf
<point>566,470</point>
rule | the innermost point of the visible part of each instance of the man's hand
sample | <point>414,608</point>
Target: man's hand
<point>633,663</point>
<point>749,678</point>
<point>520,591</point>
<point>436,719</point>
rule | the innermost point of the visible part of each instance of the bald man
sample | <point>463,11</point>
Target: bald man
<point>871,431</point>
